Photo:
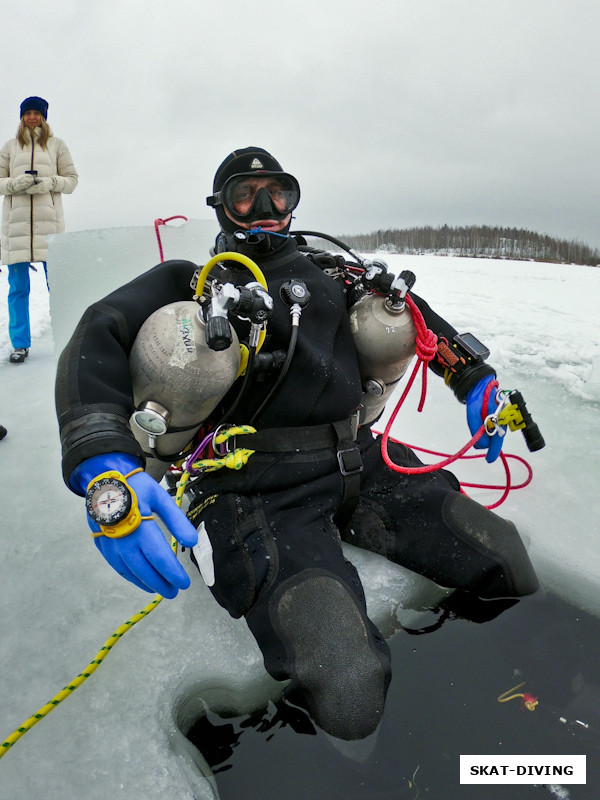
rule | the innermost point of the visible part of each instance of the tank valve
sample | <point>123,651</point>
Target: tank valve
<point>377,278</point>
<point>247,302</point>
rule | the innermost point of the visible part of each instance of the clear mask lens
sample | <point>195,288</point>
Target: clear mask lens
<point>255,196</point>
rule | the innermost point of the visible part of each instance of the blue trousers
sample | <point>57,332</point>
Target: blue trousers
<point>18,303</point>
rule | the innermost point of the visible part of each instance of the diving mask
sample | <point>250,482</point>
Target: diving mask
<point>251,196</point>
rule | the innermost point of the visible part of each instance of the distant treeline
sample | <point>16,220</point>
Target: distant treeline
<point>476,241</point>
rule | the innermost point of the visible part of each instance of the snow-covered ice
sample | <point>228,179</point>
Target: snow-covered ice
<point>117,734</point>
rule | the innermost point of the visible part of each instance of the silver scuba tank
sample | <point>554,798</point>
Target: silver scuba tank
<point>385,337</point>
<point>175,372</point>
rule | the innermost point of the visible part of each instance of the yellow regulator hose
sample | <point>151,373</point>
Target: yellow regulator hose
<point>255,270</point>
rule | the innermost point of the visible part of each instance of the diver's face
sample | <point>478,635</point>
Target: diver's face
<point>244,196</point>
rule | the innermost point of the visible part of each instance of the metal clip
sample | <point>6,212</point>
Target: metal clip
<point>493,424</point>
<point>221,448</point>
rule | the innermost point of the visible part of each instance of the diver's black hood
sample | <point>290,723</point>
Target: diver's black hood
<point>247,161</point>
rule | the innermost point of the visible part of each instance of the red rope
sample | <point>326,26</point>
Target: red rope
<point>507,487</point>
<point>158,222</point>
<point>426,349</point>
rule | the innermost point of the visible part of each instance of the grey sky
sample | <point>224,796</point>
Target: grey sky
<point>391,113</point>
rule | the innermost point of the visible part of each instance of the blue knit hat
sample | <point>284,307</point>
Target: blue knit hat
<point>35,104</point>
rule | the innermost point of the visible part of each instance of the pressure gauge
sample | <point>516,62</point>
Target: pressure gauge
<point>152,418</point>
<point>108,500</point>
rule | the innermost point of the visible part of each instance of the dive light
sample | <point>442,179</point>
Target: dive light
<point>531,432</point>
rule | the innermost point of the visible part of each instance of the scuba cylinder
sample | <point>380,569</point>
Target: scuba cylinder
<point>381,323</point>
<point>384,335</point>
<point>187,356</point>
<point>177,376</point>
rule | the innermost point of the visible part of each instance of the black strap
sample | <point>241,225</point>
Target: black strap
<point>339,435</point>
<point>309,437</point>
<point>350,462</point>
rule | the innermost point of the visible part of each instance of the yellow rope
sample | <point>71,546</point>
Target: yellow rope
<point>234,460</point>
<point>76,682</point>
<point>504,697</point>
<point>83,676</point>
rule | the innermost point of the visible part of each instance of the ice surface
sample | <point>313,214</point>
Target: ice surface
<point>87,265</point>
<point>540,323</point>
<point>117,734</point>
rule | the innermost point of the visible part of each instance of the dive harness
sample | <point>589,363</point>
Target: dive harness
<point>340,435</point>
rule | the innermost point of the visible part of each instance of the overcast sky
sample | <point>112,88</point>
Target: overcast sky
<point>391,113</point>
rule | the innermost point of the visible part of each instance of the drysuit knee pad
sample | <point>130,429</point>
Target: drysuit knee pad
<point>338,663</point>
<point>503,567</point>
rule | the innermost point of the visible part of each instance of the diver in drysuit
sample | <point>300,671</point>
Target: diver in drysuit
<point>267,538</point>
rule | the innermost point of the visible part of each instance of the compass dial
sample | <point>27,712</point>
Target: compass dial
<point>108,501</point>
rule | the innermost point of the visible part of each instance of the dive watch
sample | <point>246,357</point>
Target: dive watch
<point>470,346</point>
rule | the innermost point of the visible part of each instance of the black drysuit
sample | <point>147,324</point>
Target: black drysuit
<point>275,527</point>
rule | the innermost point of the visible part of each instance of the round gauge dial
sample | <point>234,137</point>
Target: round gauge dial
<point>108,501</point>
<point>150,421</point>
<point>152,418</point>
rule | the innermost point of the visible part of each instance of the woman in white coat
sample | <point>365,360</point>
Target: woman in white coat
<point>35,169</point>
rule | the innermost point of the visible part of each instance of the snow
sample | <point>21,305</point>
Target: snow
<point>118,734</point>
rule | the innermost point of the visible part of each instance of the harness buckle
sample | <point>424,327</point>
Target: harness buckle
<point>349,461</point>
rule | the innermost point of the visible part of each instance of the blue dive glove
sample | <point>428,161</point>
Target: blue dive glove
<point>476,414</point>
<point>143,556</point>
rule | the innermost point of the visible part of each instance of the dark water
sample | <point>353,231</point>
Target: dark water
<point>442,703</point>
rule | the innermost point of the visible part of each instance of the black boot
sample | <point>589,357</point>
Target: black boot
<point>18,355</point>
